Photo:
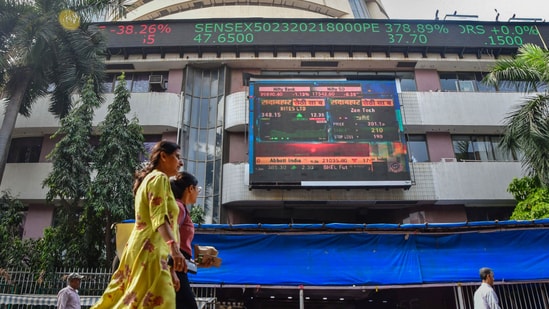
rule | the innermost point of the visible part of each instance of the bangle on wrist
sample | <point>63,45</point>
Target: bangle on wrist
<point>170,242</point>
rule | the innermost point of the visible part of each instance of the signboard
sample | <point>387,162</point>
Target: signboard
<point>341,32</point>
<point>326,134</point>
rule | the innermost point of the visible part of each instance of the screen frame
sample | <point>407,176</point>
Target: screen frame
<point>404,176</point>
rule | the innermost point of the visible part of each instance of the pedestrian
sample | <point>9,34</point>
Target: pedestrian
<point>68,297</point>
<point>485,296</point>
<point>185,189</point>
<point>143,278</point>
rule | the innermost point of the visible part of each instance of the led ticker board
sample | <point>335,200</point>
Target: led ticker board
<point>326,134</point>
<point>307,32</point>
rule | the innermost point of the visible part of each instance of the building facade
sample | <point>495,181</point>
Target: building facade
<point>198,96</point>
<point>190,66</point>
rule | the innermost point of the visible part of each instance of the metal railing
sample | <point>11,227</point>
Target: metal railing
<point>516,295</point>
<point>24,282</point>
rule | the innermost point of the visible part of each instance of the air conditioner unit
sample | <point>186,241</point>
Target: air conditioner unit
<point>157,81</point>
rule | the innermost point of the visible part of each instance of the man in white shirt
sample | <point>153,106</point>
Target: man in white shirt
<point>485,296</point>
<point>68,297</point>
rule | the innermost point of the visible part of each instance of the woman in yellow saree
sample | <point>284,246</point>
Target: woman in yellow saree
<point>143,278</point>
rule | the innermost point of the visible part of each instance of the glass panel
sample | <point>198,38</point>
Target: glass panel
<point>212,117</point>
<point>448,82</point>
<point>217,172</point>
<point>192,150</point>
<point>195,112</point>
<point>187,109</point>
<point>500,154</point>
<point>218,141</point>
<point>204,112</point>
<point>184,139</point>
<point>25,150</point>
<point>507,87</point>
<point>190,166</point>
<point>358,9</point>
<point>216,210</point>
<point>482,87</point>
<point>148,147</point>
<point>466,85</point>
<point>201,145</point>
<point>221,85</point>
<point>206,81</point>
<point>201,175</point>
<point>463,149</point>
<point>417,148</point>
<point>202,121</point>
<point>212,149</point>
<point>466,76</point>
<point>108,84</point>
<point>128,81</point>
<point>482,149</point>
<point>189,79</point>
<point>214,83</point>
<point>196,87</point>
<point>209,178</point>
<point>408,84</point>
<point>219,105</point>
<point>140,82</point>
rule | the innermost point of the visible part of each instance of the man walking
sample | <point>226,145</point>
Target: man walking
<point>485,296</point>
<point>68,297</point>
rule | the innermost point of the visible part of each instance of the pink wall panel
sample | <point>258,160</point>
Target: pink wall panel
<point>427,80</point>
<point>175,81</point>
<point>439,146</point>
<point>39,216</point>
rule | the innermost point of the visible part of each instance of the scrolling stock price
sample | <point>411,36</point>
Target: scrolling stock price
<point>147,31</point>
<point>500,35</point>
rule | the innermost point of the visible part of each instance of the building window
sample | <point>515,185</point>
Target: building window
<point>202,134</point>
<point>359,9</point>
<point>479,148</point>
<point>407,81</point>
<point>139,82</point>
<point>462,82</point>
<point>417,148</point>
<point>472,82</point>
<point>150,141</point>
<point>25,150</point>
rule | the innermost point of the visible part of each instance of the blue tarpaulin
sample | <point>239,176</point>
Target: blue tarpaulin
<point>341,255</point>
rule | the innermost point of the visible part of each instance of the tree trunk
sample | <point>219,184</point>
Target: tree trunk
<point>108,240</point>
<point>8,124</point>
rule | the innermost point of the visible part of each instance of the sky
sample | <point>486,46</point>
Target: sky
<point>485,9</point>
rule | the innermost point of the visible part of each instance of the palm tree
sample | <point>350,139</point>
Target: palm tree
<point>527,127</point>
<point>39,56</point>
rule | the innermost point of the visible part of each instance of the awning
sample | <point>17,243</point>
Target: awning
<point>347,255</point>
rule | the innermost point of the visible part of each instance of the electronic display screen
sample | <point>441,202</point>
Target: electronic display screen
<point>307,32</point>
<point>326,134</point>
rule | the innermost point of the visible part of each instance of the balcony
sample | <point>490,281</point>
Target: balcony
<point>445,182</point>
<point>24,181</point>
<point>157,113</point>
<point>455,112</point>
